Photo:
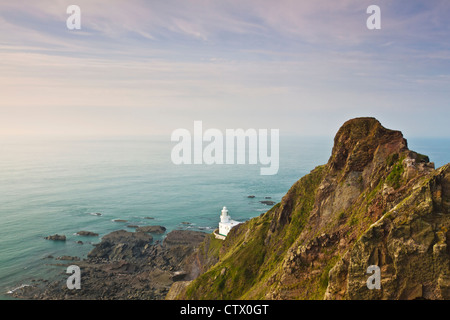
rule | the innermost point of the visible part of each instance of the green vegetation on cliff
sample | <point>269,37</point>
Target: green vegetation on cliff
<point>253,250</point>
<point>373,201</point>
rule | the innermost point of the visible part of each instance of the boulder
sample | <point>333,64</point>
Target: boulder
<point>87,233</point>
<point>179,276</point>
<point>56,237</point>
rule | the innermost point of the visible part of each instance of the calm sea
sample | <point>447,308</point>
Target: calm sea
<point>58,186</point>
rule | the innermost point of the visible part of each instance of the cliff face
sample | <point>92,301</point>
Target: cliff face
<point>374,203</point>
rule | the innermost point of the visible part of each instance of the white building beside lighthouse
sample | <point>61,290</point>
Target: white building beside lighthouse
<point>226,223</point>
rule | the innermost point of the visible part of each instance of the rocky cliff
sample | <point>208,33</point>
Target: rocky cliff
<point>374,203</point>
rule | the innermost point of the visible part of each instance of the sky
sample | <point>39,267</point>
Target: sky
<point>149,67</point>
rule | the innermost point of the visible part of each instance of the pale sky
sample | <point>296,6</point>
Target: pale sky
<point>150,67</point>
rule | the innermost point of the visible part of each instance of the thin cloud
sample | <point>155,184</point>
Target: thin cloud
<point>265,61</point>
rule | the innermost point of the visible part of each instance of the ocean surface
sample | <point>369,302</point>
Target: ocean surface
<point>63,186</point>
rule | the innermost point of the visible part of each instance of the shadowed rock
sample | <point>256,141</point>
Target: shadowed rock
<point>56,237</point>
<point>87,233</point>
<point>124,265</point>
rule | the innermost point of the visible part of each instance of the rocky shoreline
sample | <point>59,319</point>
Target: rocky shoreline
<point>124,265</point>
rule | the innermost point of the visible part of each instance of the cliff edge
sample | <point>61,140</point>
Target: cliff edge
<point>374,203</point>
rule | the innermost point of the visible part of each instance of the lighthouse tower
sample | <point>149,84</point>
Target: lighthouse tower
<point>224,217</point>
<point>226,223</point>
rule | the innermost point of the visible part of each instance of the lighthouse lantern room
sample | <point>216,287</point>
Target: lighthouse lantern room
<point>226,223</point>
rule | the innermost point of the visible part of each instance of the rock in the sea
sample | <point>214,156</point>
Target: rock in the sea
<point>268,202</point>
<point>56,237</point>
<point>251,197</point>
<point>151,229</point>
<point>87,233</point>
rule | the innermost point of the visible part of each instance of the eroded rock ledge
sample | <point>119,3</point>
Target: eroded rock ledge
<point>124,265</point>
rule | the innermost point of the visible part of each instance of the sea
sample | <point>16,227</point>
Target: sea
<point>64,185</point>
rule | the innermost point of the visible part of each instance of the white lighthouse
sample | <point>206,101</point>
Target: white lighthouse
<point>226,223</point>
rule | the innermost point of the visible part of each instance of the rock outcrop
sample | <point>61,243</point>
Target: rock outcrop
<point>124,265</point>
<point>375,203</point>
<point>410,243</point>
<point>152,229</point>
<point>120,245</point>
<point>183,238</point>
<point>56,237</point>
<point>87,234</point>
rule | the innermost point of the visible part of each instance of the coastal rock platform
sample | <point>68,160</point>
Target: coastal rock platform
<point>124,265</point>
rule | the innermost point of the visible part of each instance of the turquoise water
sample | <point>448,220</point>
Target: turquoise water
<point>57,186</point>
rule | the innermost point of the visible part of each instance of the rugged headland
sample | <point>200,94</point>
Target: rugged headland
<point>374,203</point>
